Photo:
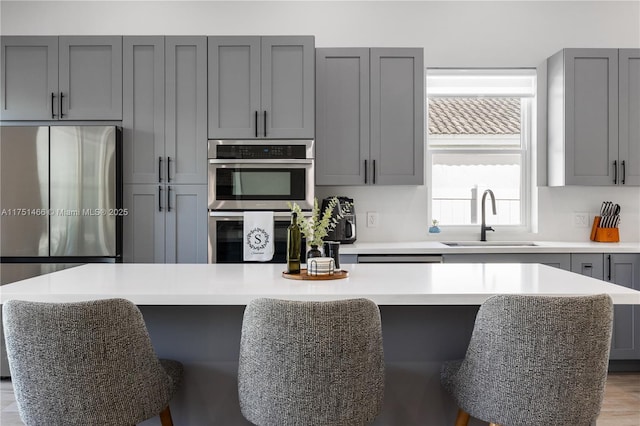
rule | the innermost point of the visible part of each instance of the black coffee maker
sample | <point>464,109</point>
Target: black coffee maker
<point>345,230</point>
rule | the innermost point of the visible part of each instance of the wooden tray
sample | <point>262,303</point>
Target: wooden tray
<point>337,275</point>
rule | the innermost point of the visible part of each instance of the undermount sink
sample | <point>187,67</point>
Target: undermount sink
<point>489,244</point>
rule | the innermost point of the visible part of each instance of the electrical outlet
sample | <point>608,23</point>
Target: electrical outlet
<point>581,220</point>
<point>372,219</point>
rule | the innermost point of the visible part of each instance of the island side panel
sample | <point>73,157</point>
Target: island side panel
<point>206,339</point>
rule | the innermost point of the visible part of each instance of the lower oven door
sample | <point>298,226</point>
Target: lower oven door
<point>226,232</point>
<point>260,184</point>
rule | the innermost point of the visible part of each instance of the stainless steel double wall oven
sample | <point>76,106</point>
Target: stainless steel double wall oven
<point>247,175</point>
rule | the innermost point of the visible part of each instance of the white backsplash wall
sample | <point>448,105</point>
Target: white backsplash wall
<point>453,34</point>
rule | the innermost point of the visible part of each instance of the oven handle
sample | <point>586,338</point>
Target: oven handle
<point>235,215</point>
<point>230,162</point>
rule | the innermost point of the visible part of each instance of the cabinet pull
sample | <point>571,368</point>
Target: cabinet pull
<point>168,198</point>
<point>624,172</point>
<point>159,198</point>
<point>53,97</point>
<point>365,171</point>
<point>265,123</point>
<point>61,96</point>
<point>609,268</point>
<point>168,169</point>
<point>615,172</point>
<point>374,172</point>
<point>160,169</point>
<point>256,123</point>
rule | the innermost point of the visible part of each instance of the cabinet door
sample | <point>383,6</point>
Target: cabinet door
<point>287,87</point>
<point>143,226</point>
<point>629,145</point>
<point>29,76</point>
<point>589,264</point>
<point>342,114</point>
<point>624,270</point>
<point>186,227</point>
<point>91,78</point>
<point>186,110</point>
<point>397,116</point>
<point>591,116</point>
<point>234,88</point>
<point>143,109</point>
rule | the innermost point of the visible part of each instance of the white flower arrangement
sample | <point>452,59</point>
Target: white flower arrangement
<point>316,227</point>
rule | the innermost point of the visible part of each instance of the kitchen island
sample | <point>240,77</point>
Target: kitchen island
<point>194,315</point>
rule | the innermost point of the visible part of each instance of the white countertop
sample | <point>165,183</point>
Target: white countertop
<point>435,247</point>
<point>237,284</point>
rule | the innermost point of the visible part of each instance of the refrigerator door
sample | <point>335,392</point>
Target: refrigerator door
<point>24,191</point>
<point>83,191</point>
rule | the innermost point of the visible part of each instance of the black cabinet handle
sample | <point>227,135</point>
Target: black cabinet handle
<point>615,172</point>
<point>365,171</point>
<point>61,96</point>
<point>53,97</point>
<point>159,198</point>
<point>160,169</point>
<point>265,123</point>
<point>624,172</point>
<point>609,271</point>
<point>168,169</point>
<point>374,172</point>
<point>168,198</point>
<point>256,123</point>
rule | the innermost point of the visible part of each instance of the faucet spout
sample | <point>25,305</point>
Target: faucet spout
<point>483,227</point>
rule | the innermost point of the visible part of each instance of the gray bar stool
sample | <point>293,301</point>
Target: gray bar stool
<point>311,363</point>
<point>86,363</point>
<point>534,360</point>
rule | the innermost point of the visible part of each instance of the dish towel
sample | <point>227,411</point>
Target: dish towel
<point>257,236</point>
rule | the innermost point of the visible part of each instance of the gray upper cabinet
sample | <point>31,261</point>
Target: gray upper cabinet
<point>590,98</point>
<point>342,115</point>
<point>165,145</point>
<point>68,78</point>
<point>29,75</point>
<point>370,116</point>
<point>261,87</point>
<point>629,111</point>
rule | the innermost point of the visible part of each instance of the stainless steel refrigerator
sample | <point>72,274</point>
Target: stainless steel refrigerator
<point>60,198</point>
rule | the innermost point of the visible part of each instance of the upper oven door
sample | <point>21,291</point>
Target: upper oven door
<point>260,184</point>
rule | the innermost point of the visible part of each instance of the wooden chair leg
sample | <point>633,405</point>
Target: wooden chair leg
<point>463,418</point>
<point>165,417</point>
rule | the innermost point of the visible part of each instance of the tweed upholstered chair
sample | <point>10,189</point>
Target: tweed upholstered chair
<point>311,363</point>
<point>86,363</point>
<point>534,360</point>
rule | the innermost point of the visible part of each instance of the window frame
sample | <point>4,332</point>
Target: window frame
<point>527,150</point>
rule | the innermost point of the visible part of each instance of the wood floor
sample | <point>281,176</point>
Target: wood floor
<point>621,405</point>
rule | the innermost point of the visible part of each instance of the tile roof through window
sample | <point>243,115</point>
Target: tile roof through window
<point>474,116</point>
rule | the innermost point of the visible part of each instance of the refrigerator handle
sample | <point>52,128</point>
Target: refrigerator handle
<point>168,169</point>
<point>159,198</point>
<point>159,169</point>
<point>53,112</point>
<point>168,198</point>
<point>61,96</point>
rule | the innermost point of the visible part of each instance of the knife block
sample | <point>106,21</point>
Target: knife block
<point>604,235</point>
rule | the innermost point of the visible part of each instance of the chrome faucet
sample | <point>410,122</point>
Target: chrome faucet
<point>484,228</point>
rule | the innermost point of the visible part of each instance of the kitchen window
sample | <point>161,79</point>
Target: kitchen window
<point>479,126</point>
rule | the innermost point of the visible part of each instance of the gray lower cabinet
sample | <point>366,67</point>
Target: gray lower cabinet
<point>61,78</point>
<point>261,87</point>
<point>593,98</point>
<point>370,116</point>
<point>165,223</point>
<point>165,146</point>
<point>622,269</point>
<point>557,260</point>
